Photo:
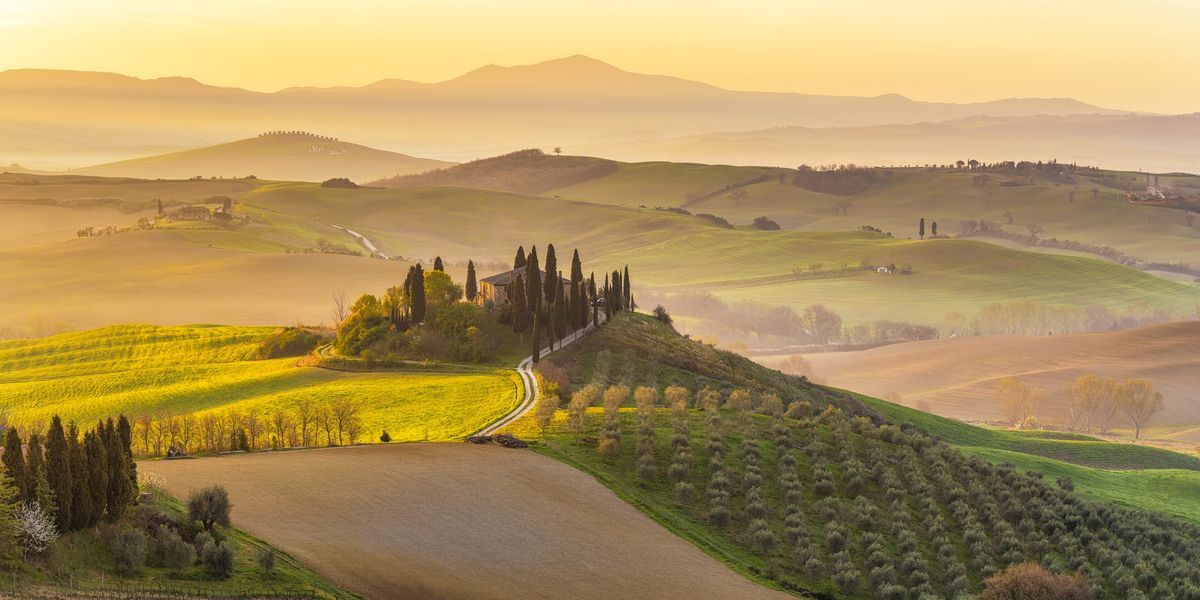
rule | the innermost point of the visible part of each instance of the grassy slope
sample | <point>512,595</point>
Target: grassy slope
<point>135,369</point>
<point>1136,476</point>
<point>895,203</point>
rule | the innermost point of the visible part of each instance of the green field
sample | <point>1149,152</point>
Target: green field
<point>897,201</point>
<point>141,369</point>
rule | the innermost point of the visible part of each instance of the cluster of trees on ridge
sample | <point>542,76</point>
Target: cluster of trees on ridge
<point>426,317</point>
<point>1092,400</point>
<point>847,507</point>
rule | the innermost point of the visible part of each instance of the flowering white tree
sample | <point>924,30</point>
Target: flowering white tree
<point>35,528</point>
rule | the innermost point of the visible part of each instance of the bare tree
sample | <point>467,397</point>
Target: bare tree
<point>254,426</point>
<point>174,425</point>
<point>1139,402</point>
<point>280,422</point>
<point>305,420</point>
<point>1086,397</point>
<point>144,428</point>
<point>208,431</point>
<point>160,432</point>
<point>345,416</point>
<point>339,308</point>
<point>324,420</point>
<point>220,430</point>
<point>187,430</point>
<point>1020,401</point>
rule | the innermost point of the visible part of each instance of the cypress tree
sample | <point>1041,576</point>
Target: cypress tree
<point>14,463</point>
<point>81,496</point>
<point>606,293</point>
<point>125,438</point>
<point>519,262</point>
<point>615,293</point>
<point>472,287</point>
<point>35,465</point>
<point>921,228</point>
<point>592,296</point>
<point>552,281</point>
<point>437,264</point>
<point>533,282</point>
<point>563,311</point>
<point>119,491</point>
<point>10,549</point>
<point>58,473</point>
<point>579,313</point>
<point>97,474</point>
<point>520,311</point>
<point>417,299</point>
<point>625,293</point>
<point>537,338</point>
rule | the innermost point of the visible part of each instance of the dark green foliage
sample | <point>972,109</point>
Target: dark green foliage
<point>533,282</point>
<point>171,551</point>
<point>58,473</point>
<point>209,506</point>
<point>98,472</point>
<point>385,437</point>
<point>520,306</point>
<point>266,561</point>
<point>519,261</point>
<point>10,550</point>
<point>218,559</point>
<point>119,465</point>
<point>339,182</point>
<point>766,224</point>
<point>437,264</point>
<point>288,341</point>
<point>415,286</point>
<point>550,283</point>
<point>578,293</point>
<point>83,510</point>
<point>129,551</point>
<point>527,171</point>
<point>14,464</point>
<point>626,295</point>
<point>472,286</point>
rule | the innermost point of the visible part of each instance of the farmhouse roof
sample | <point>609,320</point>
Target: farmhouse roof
<point>507,277</point>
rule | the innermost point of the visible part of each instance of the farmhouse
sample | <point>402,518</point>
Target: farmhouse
<point>494,289</point>
<point>193,213</point>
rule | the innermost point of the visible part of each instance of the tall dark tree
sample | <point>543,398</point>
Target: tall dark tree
<point>579,311</point>
<point>125,436</point>
<point>472,287</point>
<point>160,206</point>
<point>417,294</point>
<point>81,496</point>
<point>58,472</point>
<point>533,282</point>
<point>537,337</point>
<point>98,469</point>
<point>551,282</point>
<point>616,299</point>
<point>562,311</point>
<point>35,463</point>
<point>933,228</point>
<point>119,493</point>
<point>437,264</point>
<point>626,294</point>
<point>606,293</point>
<point>14,463</point>
<point>921,228</point>
<point>519,261</point>
<point>592,297</point>
<point>520,308</point>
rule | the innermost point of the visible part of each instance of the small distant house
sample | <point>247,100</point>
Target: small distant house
<point>193,213</point>
<point>495,288</point>
<point>883,270</point>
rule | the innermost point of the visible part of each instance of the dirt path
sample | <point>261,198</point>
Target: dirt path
<point>435,521</point>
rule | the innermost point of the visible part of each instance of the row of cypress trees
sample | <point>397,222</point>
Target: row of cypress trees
<point>81,480</point>
<point>537,296</point>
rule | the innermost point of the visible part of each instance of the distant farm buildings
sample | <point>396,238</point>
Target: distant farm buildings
<point>193,213</point>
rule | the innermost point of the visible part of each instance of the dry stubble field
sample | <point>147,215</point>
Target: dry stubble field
<point>456,521</point>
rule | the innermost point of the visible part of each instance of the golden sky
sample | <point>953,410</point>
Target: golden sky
<point>1138,55</point>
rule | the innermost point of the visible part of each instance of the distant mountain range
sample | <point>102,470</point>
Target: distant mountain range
<point>576,102</point>
<point>294,156</point>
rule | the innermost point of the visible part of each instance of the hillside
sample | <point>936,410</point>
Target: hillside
<point>291,156</point>
<point>524,171</point>
<point>577,102</point>
<point>203,370</point>
<point>957,377</point>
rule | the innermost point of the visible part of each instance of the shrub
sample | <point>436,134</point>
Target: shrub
<point>662,315</point>
<point>762,536</point>
<point>35,528</point>
<point>218,559</point>
<point>385,437</point>
<point>171,551</point>
<point>1029,580</point>
<point>266,561</point>
<point>684,492</point>
<point>129,551</point>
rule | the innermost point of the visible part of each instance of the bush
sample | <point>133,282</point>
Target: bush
<point>385,437</point>
<point>218,559</point>
<point>289,341</point>
<point>129,551</point>
<point>266,561</point>
<point>171,551</point>
<point>684,492</point>
<point>662,315</point>
<point>1030,581</point>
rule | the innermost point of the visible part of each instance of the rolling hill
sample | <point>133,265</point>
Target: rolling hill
<point>957,377</point>
<point>291,156</point>
<point>574,101</point>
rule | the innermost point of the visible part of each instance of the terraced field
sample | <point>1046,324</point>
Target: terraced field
<point>135,370</point>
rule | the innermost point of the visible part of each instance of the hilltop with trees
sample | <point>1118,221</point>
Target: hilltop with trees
<point>527,171</point>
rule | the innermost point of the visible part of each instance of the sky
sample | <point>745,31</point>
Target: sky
<point>1134,55</point>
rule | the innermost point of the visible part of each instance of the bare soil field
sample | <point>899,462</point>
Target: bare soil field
<point>437,521</point>
<point>957,377</point>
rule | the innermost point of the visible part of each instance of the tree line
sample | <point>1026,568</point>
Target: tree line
<point>308,423</point>
<point>1092,402</point>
